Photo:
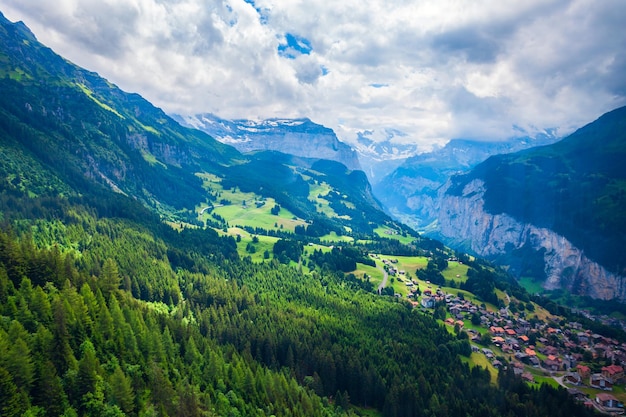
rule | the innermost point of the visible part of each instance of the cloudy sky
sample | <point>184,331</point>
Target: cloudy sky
<point>428,70</point>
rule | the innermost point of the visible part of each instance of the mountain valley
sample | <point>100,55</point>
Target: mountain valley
<point>149,269</point>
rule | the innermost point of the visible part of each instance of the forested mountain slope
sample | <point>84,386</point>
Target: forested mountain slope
<point>63,125</point>
<point>105,309</point>
<point>574,189</point>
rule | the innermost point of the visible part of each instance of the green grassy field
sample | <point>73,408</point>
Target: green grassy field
<point>456,272</point>
<point>333,237</point>
<point>376,276</point>
<point>388,233</point>
<point>246,209</point>
<point>532,286</point>
<point>478,359</point>
<point>316,195</point>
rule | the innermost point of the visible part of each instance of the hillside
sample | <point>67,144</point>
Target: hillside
<point>572,193</point>
<point>126,290</point>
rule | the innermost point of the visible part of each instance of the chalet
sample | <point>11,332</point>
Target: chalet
<point>455,310</point>
<point>523,338</point>
<point>573,378</point>
<point>598,381</point>
<point>510,332</point>
<point>584,371</point>
<point>428,302</point>
<point>497,340</point>
<point>583,337</point>
<point>575,325</point>
<point>496,330</point>
<point>527,376</point>
<point>608,400</point>
<point>550,350</point>
<point>552,363</point>
<point>613,373</point>
<point>577,394</point>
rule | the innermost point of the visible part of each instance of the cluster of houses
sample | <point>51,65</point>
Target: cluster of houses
<point>556,349</point>
<point>392,269</point>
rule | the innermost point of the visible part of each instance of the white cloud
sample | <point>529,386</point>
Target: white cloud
<point>431,69</point>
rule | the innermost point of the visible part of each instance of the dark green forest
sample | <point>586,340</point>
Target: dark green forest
<point>96,320</point>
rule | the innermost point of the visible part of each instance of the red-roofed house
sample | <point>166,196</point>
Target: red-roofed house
<point>608,400</point>
<point>613,372</point>
<point>583,370</point>
<point>497,330</point>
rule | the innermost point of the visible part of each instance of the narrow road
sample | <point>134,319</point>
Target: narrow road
<point>210,207</point>
<point>384,283</point>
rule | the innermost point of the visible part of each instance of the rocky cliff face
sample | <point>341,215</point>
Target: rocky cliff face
<point>409,192</point>
<point>299,137</point>
<point>464,222</point>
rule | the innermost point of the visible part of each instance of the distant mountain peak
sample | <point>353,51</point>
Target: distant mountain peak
<point>299,137</point>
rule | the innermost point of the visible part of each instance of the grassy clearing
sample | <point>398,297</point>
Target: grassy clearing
<point>456,272</point>
<point>532,286</point>
<point>367,412</point>
<point>389,233</point>
<point>317,193</point>
<point>246,209</point>
<point>478,359</point>
<point>333,237</point>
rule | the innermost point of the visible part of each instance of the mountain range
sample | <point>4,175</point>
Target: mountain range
<point>409,192</point>
<point>298,137</point>
<point>148,269</point>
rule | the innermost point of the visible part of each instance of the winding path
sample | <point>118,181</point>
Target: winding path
<point>384,283</point>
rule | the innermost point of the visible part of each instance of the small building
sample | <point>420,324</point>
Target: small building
<point>614,373</point>
<point>598,381</point>
<point>428,302</point>
<point>573,378</point>
<point>608,401</point>
<point>584,371</point>
<point>577,394</point>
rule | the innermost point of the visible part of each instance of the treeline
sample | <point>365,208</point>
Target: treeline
<point>340,258</point>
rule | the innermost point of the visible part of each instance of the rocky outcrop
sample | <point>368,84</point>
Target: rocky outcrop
<point>464,222</point>
<point>298,137</point>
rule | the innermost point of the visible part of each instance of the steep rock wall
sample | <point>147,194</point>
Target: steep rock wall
<point>463,221</point>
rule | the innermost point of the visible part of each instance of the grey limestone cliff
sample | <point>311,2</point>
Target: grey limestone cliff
<point>298,137</point>
<point>463,221</point>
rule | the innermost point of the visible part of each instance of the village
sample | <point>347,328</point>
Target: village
<point>589,365</point>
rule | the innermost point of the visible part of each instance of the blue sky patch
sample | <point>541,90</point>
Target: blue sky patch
<point>379,85</point>
<point>295,46</point>
<point>263,15</point>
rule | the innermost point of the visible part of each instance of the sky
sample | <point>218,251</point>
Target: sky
<point>413,71</point>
